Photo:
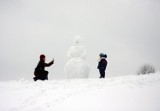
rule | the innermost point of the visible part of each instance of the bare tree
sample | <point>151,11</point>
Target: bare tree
<point>146,69</point>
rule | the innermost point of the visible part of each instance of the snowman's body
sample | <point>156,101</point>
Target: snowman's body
<point>77,67</point>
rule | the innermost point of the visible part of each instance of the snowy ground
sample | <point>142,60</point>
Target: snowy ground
<point>127,93</point>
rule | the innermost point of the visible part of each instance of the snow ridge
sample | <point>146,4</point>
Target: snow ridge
<point>82,94</point>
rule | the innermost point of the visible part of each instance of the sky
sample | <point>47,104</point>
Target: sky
<point>128,31</point>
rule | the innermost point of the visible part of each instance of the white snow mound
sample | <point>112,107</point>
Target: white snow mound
<point>127,93</point>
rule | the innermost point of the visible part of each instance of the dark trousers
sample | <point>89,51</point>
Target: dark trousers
<point>102,73</point>
<point>42,75</point>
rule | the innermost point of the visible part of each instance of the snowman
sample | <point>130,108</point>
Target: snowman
<point>77,67</point>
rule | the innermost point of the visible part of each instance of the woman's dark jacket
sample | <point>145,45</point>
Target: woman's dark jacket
<point>102,64</point>
<point>41,66</point>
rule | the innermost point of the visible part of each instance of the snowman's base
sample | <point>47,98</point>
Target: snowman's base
<point>77,68</point>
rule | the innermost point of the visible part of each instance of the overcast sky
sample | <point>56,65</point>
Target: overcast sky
<point>128,31</point>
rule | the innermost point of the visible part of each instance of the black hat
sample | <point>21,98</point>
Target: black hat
<point>42,56</point>
<point>103,55</point>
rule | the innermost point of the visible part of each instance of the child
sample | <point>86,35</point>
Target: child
<point>102,65</point>
<point>39,72</point>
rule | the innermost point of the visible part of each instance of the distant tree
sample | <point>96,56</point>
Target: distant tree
<point>146,69</point>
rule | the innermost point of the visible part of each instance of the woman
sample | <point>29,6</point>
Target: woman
<point>102,65</point>
<point>39,72</point>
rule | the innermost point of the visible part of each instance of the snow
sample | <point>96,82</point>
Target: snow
<point>126,93</point>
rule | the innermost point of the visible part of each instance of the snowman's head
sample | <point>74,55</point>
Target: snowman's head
<point>77,40</point>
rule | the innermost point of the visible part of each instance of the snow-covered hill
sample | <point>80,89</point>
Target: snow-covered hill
<point>127,93</point>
